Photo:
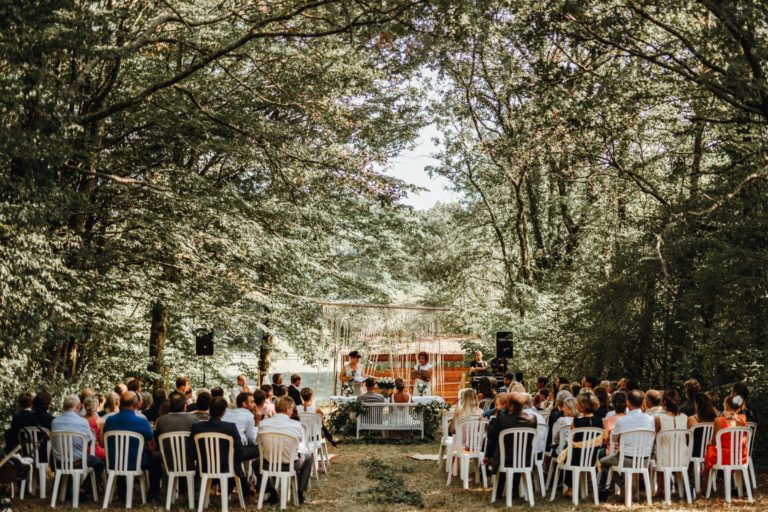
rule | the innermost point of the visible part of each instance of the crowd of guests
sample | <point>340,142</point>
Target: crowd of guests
<point>242,413</point>
<point>615,407</point>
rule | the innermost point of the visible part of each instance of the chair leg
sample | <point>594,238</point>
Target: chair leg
<point>143,487</point>
<point>542,484</point>
<point>440,454</point>
<point>262,490</point>
<point>593,474</point>
<point>170,491</point>
<point>55,493</point>
<point>687,485</point>
<point>42,479</point>
<point>494,486</point>
<point>628,490</point>
<point>129,479</point>
<point>224,483</point>
<point>747,485</point>
<point>109,489</point>
<point>667,477</point>
<point>648,492</point>
<point>727,482</point>
<point>554,484</point>
<point>752,475</point>
<point>508,488</point>
<point>239,491</point>
<point>75,491</point>
<point>63,487</point>
<point>709,483</point>
<point>483,473</point>
<point>285,488</point>
<point>529,484</point>
<point>697,476</point>
<point>191,491</point>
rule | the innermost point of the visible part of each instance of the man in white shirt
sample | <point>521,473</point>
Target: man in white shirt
<point>245,421</point>
<point>240,387</point>
<point>281,423</point>
<point>635,419</point>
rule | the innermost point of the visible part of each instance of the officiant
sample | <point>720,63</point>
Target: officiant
<point>353,373</point>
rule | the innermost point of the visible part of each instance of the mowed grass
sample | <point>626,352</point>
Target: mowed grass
<point>345,489</point>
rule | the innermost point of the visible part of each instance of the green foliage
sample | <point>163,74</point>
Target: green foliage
<point>391,485</point>
<point>343,419</point>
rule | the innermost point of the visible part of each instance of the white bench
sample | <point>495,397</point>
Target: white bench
<point>390,417</point>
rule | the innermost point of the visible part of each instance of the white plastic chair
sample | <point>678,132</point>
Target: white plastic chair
<point>553,460</point>
<point>34,443</point>
<point>70,464</point>
<point>210,456</point>
<point>635,461</point>
<point>523,444</point>
<point>737,462</point>
<point>468,445</point>
<point>485,404</point>
<point>697,458</point>
<point>541,431</point>
<point>753,427</point>
<point>278,453</point>
<point>173,449</point>
<point>313,423</point>
<point>673,455</point>
<point>588,438</point>
<point>117,444</point>
<point>446,440</point>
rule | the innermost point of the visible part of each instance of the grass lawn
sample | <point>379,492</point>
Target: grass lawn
<point>347,488</point>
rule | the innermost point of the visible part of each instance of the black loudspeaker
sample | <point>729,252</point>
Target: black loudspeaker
<point>204,344</point>
<point>504,344</point>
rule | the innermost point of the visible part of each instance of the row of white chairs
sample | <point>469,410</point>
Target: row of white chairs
<point>468,444</point>
<point>214,451</point>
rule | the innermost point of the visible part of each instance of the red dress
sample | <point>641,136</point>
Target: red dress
<point>710,458</point>
<point>99,452</point>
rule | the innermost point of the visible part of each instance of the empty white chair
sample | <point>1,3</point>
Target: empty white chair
<point>118,444</point>
<point>702,431</point>
<point>523,443</point>
<point>173,449</point>
<point>216,461</point>
<point>634,459</point>
<point>446,440</point>
<point>735,462</point>
<point>278,453</point>
<point>581,456</point>
<point>673,456</point>
<point>541,431</point>
<point>313,424</point>
<point>468,445</point>
<point>34,443</point>
<point>753,427</point>
<point>70,464</point>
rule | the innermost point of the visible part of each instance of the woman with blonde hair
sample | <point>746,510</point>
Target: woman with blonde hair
<point>467,407</point>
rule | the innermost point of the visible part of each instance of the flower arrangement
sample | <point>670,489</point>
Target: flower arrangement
<point>386,383</point>
<point>347,389</point>
<point>421,389</point>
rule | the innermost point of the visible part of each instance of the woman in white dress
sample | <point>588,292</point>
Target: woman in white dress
<point>670,419</point>
<point>422,376</point>
<point>353,373</point>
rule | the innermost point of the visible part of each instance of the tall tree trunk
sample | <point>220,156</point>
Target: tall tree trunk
<point>533,203</point>
<point>521,226</point>
<point>157,334</point>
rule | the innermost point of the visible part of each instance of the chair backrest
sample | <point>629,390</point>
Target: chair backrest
<point>71,449</point>
<point>34,443</point>
<point>313,424</point>
<point>461,392</point>
<point>485,403</point>
<point>753,427</point>
<point>445,425</point>
<point>522,442</point>
<point>215,454</point>
<point>737,441</point>
<point>278,451</point>
<point>705,431</point>
<point>541,430</point>
<point>589,444</point>
<point>635,448</point>
<point>674,448</point>
<point>124,450</point>
<point>173,449</point>
<point>470,434</point>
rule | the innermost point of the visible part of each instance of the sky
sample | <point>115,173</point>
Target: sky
<point>410,166</point>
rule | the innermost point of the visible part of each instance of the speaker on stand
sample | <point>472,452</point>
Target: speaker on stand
<point>204,346</point>
<point>504,345</point>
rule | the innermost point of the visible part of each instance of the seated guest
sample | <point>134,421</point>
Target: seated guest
<point>240,387</point>
<point>277,380</point>
<point>293,390</point>
<point>190,396</point>
<point>127,419</point>
<point>740,389</point>
<point>120,388</point>
<point>307,401</point>
<point>507,379</point>
<point>652,403</point>
<point>714,397</point>
<point>542,383</point>
<point>268,409</point>
<point>543,403</point>
<point>177,419</point>
<point>370,396</point>
<point>401,396</point>
<point>530,409</point>
<point>563,424</point>
<point>202,405</point>
<point>182,385</point>
<point>619,403</point>
<point>586,405</point>
<point>670,419</point>
<point>216,425</point>
<point>217,392</point>
<point>589,382</point>
<point>146,403</point>
<point>41,405</point>
<point>24,417</point>
<point>704,412</point>
<point>601,392</point>
<point>554,415</point>
<point>90,406</point>
<point>731,417</point>
<point>691,388</point>
<point>158,397</point>
<point>282,423</point>
<point>135,385</point>
<point>279,390</point>
<point>467,407</point>
<point>243,417</point>
<point>635,419</point>
<point>575,388</point>
<point>485,389</point>
<point>71,421</point>
<point>498,406</point>
<point>85,393</point>
<point>516,418</point>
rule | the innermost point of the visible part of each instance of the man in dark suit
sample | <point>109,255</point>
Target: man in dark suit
<point>215,425</point>
<point>293,389</point>
<point>371,396</point>
<point>516,418</point>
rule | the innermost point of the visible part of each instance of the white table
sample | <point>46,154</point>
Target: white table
<point>338,400</point>
<point>427,399</point>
